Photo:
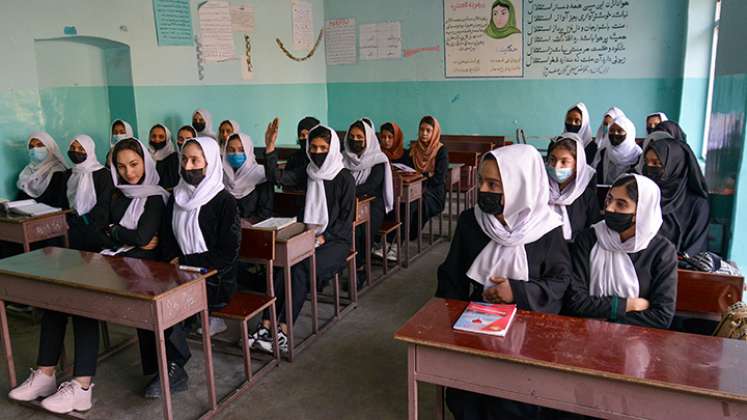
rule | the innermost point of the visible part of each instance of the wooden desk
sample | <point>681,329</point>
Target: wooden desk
<point>127,291</point>
<point>708,294</point>
<point>471,163</point>
<point>284,248</point>
<point>26,230</point>
<point>412,192</point>
<point>363,217</point>
<point>580,365</point>
<point>455,178</point>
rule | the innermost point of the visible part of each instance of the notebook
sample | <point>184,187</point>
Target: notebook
<point>275,223</point>
<point>29,208</point>
<point>403,168</point>
<point>486,318</point>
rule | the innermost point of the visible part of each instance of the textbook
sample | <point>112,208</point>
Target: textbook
<point>486,318</point>
<point>28,208</point>
<point>275,223</point>
<point>404,168</point>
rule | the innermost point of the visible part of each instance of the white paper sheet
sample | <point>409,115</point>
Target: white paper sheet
<point>339,41</point>
<point>378,41</point>
<point>216,36</point>
<point>242,18</point>
<point>303,25</point>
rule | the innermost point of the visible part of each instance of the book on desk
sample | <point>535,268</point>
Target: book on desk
<point>486,318</point>
<point>27,208</point>
<point>275,223</point>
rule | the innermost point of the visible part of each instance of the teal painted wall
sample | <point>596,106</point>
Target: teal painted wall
<point>408,88</point>
<point>141,82</point>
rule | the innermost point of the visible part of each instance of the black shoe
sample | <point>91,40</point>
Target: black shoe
<point>178,380</point>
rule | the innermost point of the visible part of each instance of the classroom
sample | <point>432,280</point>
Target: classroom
<point>414,209</point>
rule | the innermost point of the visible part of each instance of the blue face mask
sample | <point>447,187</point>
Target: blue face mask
<point>38,154</point>
<point>560,175</point>
<point>236,159</point>
<point>118,137</point>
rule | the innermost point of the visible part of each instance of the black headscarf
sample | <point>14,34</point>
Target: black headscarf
<point>307,124</point>
<point>680,173</point>
<point>672,128</point>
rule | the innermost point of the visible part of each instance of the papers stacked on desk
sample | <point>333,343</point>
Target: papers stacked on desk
<point>28,208</point>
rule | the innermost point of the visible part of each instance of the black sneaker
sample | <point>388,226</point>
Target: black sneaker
<point>178,380</point>
<point>266,344</point>
<point>262,334</point>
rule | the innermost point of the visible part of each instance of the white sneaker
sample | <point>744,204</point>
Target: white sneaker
<point>378,252</point>
<point>217,326</point>
<point>70,396</point>
<point>38,384</point>
<point>265,344</point>
<point>391,254</point>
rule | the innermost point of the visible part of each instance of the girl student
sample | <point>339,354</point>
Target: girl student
<point>391,140</point>
<point>329,210</point>
<point>162,149</point>
<point>225,129</point>
<point>120,130</point>
<point>508,249</point>
<point>573,192</point>
<point>185,133</point>
<point>202,121</point>
<point>577,121</point>
<point>624,270</point>
<point>43,178</point>
<point>294,175</point>
<point>618,152</point>
<point>652,120</point>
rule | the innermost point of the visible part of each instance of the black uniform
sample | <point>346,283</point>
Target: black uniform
<point>168,171</point>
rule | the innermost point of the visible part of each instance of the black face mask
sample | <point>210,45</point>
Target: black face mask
<point>650,130</point>
<point>355,146</point>
<point>616,139</point>
<point>572,128</point>
<point>490,202</point>
<point>192,176</point>
<point>654,173</point>
<point>157,146</point>
<point>77,157</point>
<point>199,126</point>
<point>318,158</point>
<point>619,222</point>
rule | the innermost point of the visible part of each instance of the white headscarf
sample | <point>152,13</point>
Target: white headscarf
<point>526,212</point>
<point>585,132</point>
<point>618,159</point>
<point>662,116</point>
<point>35,177</point>
<point>81,192</point>
<point>208,117</point>
<point>560,200</point>
<point>242,181</point>
<point>165,151</point>
<point>613,112</point>
<point>138,193</point>
<point>315,209</point>
<point>360,166</point>
<point>188,199</point>
<point>612,271</point>
<point>656,135</point>
<point>128,132</point>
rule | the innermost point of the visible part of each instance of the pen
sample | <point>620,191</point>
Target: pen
<point>193,269</point>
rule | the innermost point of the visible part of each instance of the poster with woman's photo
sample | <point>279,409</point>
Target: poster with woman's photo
<point>483,38</point>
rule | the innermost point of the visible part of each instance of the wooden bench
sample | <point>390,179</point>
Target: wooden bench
<point>707,293</point>
<point>493,141</point>
<point>471,161</point>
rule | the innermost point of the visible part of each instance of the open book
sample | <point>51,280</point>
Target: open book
<point>275,223</point>
<point>486,318</point>
<point>404,168</point>
<point>28,208</point>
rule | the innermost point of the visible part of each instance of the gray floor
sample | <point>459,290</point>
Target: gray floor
<point>354,371</point>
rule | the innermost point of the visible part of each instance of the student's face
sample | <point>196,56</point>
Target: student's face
<point>234,146</point>
<point>618,201</point>
<point>573,117</point>
<point>652,122</point>
<point>197,118</point>
<point>425,132</point>
<point>607,120</point>
<point>562,158</point>
<point>225,130</point>
<point>357,136</point>
<point>616,130</point>
<point>76,147</point>
<point>318,145</point>
<point>652,159</point>
<point>192,157</point>
<point>500,16</point>
<point>304,134</point>
<point>157,135</point>
<point>386,138</point>
<point>182,136</point>
<point>119,128</point>
<point>130,166</point>
<point>490,177</point>
<point>34,143</point>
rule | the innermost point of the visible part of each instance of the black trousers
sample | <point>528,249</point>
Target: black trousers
<point>177,349</point>
<point>86,332</point>
<point>433,205</point>
<point>330,260</point>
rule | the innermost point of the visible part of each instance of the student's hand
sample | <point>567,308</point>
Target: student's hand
<point>271,135</point>
<point>150,245</point>
<point>175,261</point>
<point>320,240</point>
<point>499,292</point>
<point>636,304</point>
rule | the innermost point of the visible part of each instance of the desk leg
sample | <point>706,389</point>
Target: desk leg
<point>420,225</point>
<point>26,246</point>
<point>406,240</point>
<point>314,297</point>
<point>66,240</point>
<point>7,346</point>
<point>449,203</point>
<point>207,349</point>
<point>440,415</point>
<point>368,257</point>
<point>412,384</point>
<point>289,309</point>
<point>273,312</point>
<point>163,370</point>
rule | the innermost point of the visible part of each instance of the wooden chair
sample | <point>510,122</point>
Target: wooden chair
<point>707,293</point>
<point>471,161</point>
<point>394,225</point>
